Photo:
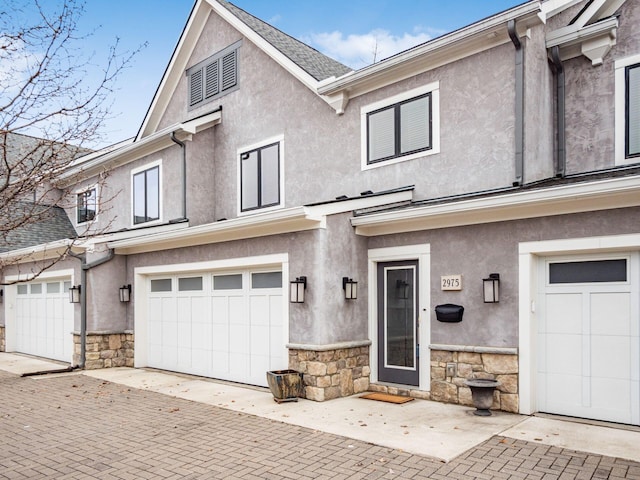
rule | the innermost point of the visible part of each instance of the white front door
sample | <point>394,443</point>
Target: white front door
<point>226,325</point>
<point>588,338</point>
<point>44,320</point>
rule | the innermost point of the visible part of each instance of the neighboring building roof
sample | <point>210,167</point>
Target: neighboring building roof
<point>52,224</point>
<point>316,64</point>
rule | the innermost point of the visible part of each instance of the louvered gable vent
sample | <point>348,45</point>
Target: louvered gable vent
<point>215,76</point>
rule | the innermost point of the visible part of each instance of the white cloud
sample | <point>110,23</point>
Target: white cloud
<point>360,50</point>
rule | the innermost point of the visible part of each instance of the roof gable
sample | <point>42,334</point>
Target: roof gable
<point>316,64</point>
<point>303,62</point>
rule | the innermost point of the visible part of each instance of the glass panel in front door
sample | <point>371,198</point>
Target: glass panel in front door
<point>398,324</point>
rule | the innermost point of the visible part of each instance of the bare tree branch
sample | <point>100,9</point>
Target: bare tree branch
<point>54,100</point>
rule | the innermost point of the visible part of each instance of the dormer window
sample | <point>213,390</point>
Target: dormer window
<point>214,77</point>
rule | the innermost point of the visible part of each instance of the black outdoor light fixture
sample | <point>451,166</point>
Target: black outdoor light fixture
<point>125,293</point>
<point>350,288</point>
<point>74,294</point>
<point>491,287</point>
<point>298,286</point>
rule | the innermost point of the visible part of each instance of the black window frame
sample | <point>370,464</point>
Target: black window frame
<point>202,87</point>
<point>397,129</point>
<point>627,123</point>
<point>146,218</point>
<point>244,156</point>
<point>82,214</point>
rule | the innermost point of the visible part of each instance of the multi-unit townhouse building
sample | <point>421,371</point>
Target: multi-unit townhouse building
<point>478,195</point>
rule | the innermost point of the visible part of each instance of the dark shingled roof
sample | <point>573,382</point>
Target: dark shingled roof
<point>53,224</point>
<point>316,64</point>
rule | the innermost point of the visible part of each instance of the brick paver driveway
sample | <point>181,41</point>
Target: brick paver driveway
<point>78,427</point>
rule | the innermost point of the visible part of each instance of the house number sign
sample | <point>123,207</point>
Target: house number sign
<point>451,282</point>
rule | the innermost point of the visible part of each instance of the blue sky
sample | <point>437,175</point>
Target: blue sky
<point>352,31</point>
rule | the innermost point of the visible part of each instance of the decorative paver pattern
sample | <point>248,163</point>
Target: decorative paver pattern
<point>78,427</point>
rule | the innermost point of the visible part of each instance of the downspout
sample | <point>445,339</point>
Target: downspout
<point>183,147</point>
<point>561,153</point>
<point>84,266</point>
<point>519,126</point>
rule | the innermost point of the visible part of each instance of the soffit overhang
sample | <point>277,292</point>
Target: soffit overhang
<point>296,219</point>
<point>85,168</point>
<point>562,200</point>
<point>467,41</point>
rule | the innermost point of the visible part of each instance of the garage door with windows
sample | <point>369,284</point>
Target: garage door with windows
<point>44,320</point>
<point>588,338</point>
<point>225,325</point>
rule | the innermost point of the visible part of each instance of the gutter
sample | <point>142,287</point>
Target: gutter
<point>561,154</point>
<point>183,147</point>
<point>519,100</point>
<point>83,298</point>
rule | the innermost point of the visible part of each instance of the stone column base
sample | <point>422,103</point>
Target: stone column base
<point>105,350</point>
<point>332,373</point>
<point>474,364</point>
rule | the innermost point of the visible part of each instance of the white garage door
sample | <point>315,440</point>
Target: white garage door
<point>220,325</point>
<point>588,339</point>
<point>44,320</point>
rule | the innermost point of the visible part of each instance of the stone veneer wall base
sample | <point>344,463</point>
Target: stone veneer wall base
<point>475,364</point>
<point>332,373</point>
<point>105,350</point>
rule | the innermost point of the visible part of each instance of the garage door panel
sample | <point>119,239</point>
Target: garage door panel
<point>604,398</point>
<point>220,363</point>
<point>237,311</point>
<point>610,314</point>
<point>564,393</point>
<point>566,316</point>
<point>562,356</point>
<point>260,340</point>
<point>611,356</point>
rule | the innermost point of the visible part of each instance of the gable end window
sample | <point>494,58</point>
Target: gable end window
<point>260,177</point>
<point>403,127</point>
<point>214,77</point>
<point>87,206</point>
<point>632,113</point>
<point>146,195</point>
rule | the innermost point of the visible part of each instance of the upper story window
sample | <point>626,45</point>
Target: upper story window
<point>402,127</point>
<point>146,193</point>
<point>86,205</point>
<point>260,174</point>
<point>214,77</point>
<point>627,73</point>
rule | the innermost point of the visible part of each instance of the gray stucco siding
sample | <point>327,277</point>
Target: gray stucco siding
<point>478,250</point>
<point>324,256</point>
<point>590,104</point>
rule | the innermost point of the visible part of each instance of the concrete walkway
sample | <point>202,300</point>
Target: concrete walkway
<point>431,429</point>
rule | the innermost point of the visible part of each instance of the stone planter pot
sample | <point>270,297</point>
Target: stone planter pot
<point>285,385</point>
<point>482,394</point>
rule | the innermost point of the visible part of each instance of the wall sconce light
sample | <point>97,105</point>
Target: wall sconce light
<point>74,294</point>
<point>402,288</point>
<point>350,288</point>
<point>298,286</point>
<point>491,288</point>
<point>125,293</point>
<point>1,295</point>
